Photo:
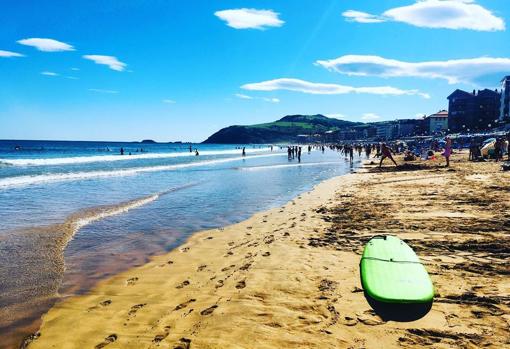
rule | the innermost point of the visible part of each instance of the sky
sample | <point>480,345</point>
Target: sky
<point>173,70</point>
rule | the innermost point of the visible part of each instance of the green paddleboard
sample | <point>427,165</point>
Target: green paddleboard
<point>392,273</point>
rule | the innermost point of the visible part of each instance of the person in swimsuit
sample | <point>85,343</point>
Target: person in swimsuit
<point>448,151</point>
<point>386,153</point>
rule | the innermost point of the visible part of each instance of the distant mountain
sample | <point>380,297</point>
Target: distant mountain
<point>286,129</point>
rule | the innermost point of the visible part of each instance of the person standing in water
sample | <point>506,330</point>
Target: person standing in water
<point>121,151</point>
<point>244,151</point>
<point>386,153</point>
<point>196,152</point>
<point>299,154</point>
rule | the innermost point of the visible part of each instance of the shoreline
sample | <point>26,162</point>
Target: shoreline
<point>286,277</point>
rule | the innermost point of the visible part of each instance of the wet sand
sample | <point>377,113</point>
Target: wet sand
<point>289,277</point>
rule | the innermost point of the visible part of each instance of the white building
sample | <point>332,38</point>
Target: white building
<point>437,123</point>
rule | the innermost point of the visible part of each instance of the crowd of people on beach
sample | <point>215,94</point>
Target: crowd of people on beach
<point>480,149</point>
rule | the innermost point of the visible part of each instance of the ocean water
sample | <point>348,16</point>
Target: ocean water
<point>72,213</point>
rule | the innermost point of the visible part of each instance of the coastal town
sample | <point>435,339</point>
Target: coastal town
<point>482,112</point>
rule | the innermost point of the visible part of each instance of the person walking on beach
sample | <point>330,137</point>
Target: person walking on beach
<point>351,154</point>
<point>289,153</point>
<point>368,150</point>
<point>386,153</point>
<point>508,145</point>
<point>498,149</point>
<point>448,151</point>
<point>299,154</point>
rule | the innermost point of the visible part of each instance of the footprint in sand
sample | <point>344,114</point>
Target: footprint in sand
<point>269,239</point>
<point>209,310</point>
<point>159,337</point>
<point>228,268</point>
<point>185,343</point>
<point>246,266</point>
<point>132,311</point>
<point>241,285</point>
<point>105,303</point>
<point>349,321</point>
<point>110,339</point>
<point>201,267</point>
<point>183,284</point>
<point>370,318</point>
<point>131,281</point>
<point>185,304</point>
<point>266,254</point>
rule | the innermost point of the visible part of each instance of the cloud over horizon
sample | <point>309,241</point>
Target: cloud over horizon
<point>8,54</point>
<point>454,71</point>
<point>46,45</point>
<point>249,18</point>
<point>99,90</point>
<point>447,14</point>
<point>49,73</point>
<point>111,61</point>
<point>265,99</point>
<point>298,85</point>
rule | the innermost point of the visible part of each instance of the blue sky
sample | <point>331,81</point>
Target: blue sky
<point>180,70</point>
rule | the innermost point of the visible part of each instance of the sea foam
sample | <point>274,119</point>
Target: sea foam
<point>108,158</point>
<point>20,181</point>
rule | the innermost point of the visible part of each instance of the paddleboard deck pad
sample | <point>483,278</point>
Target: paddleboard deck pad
<point>392,273</point>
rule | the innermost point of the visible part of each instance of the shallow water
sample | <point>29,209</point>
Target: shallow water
<point>73,213</point>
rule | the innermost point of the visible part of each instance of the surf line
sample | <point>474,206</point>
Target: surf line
<point>20,181</point>
<point>109,158</point>
<point>78,221</point>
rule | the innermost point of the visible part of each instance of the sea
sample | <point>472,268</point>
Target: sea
<point>73,213</point>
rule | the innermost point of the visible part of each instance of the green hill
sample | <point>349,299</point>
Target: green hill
<point>286,129</point>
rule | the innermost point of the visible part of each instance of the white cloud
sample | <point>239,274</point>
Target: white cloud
<point>370,116</point>
<point>46,45</point>
<point>98,90</point>
<point>361,17</point>
<point>448,14</point>
<point>49,73</point>
<point>111,61</point>
<point>241,96</point>
<point>336,116</point>
<point>168,101</point>
<point>249,18</point>
<point>72,78</point>
<point>75,69</point>
<point>326,89</point>
<point>265,99</point>
<point>10,54</point>
<point>420,115</point>
<point>454,71</point>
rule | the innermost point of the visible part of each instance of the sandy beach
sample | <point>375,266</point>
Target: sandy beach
<point>289,277</point>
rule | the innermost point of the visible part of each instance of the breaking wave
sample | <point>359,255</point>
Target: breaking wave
<point>20,181</point>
